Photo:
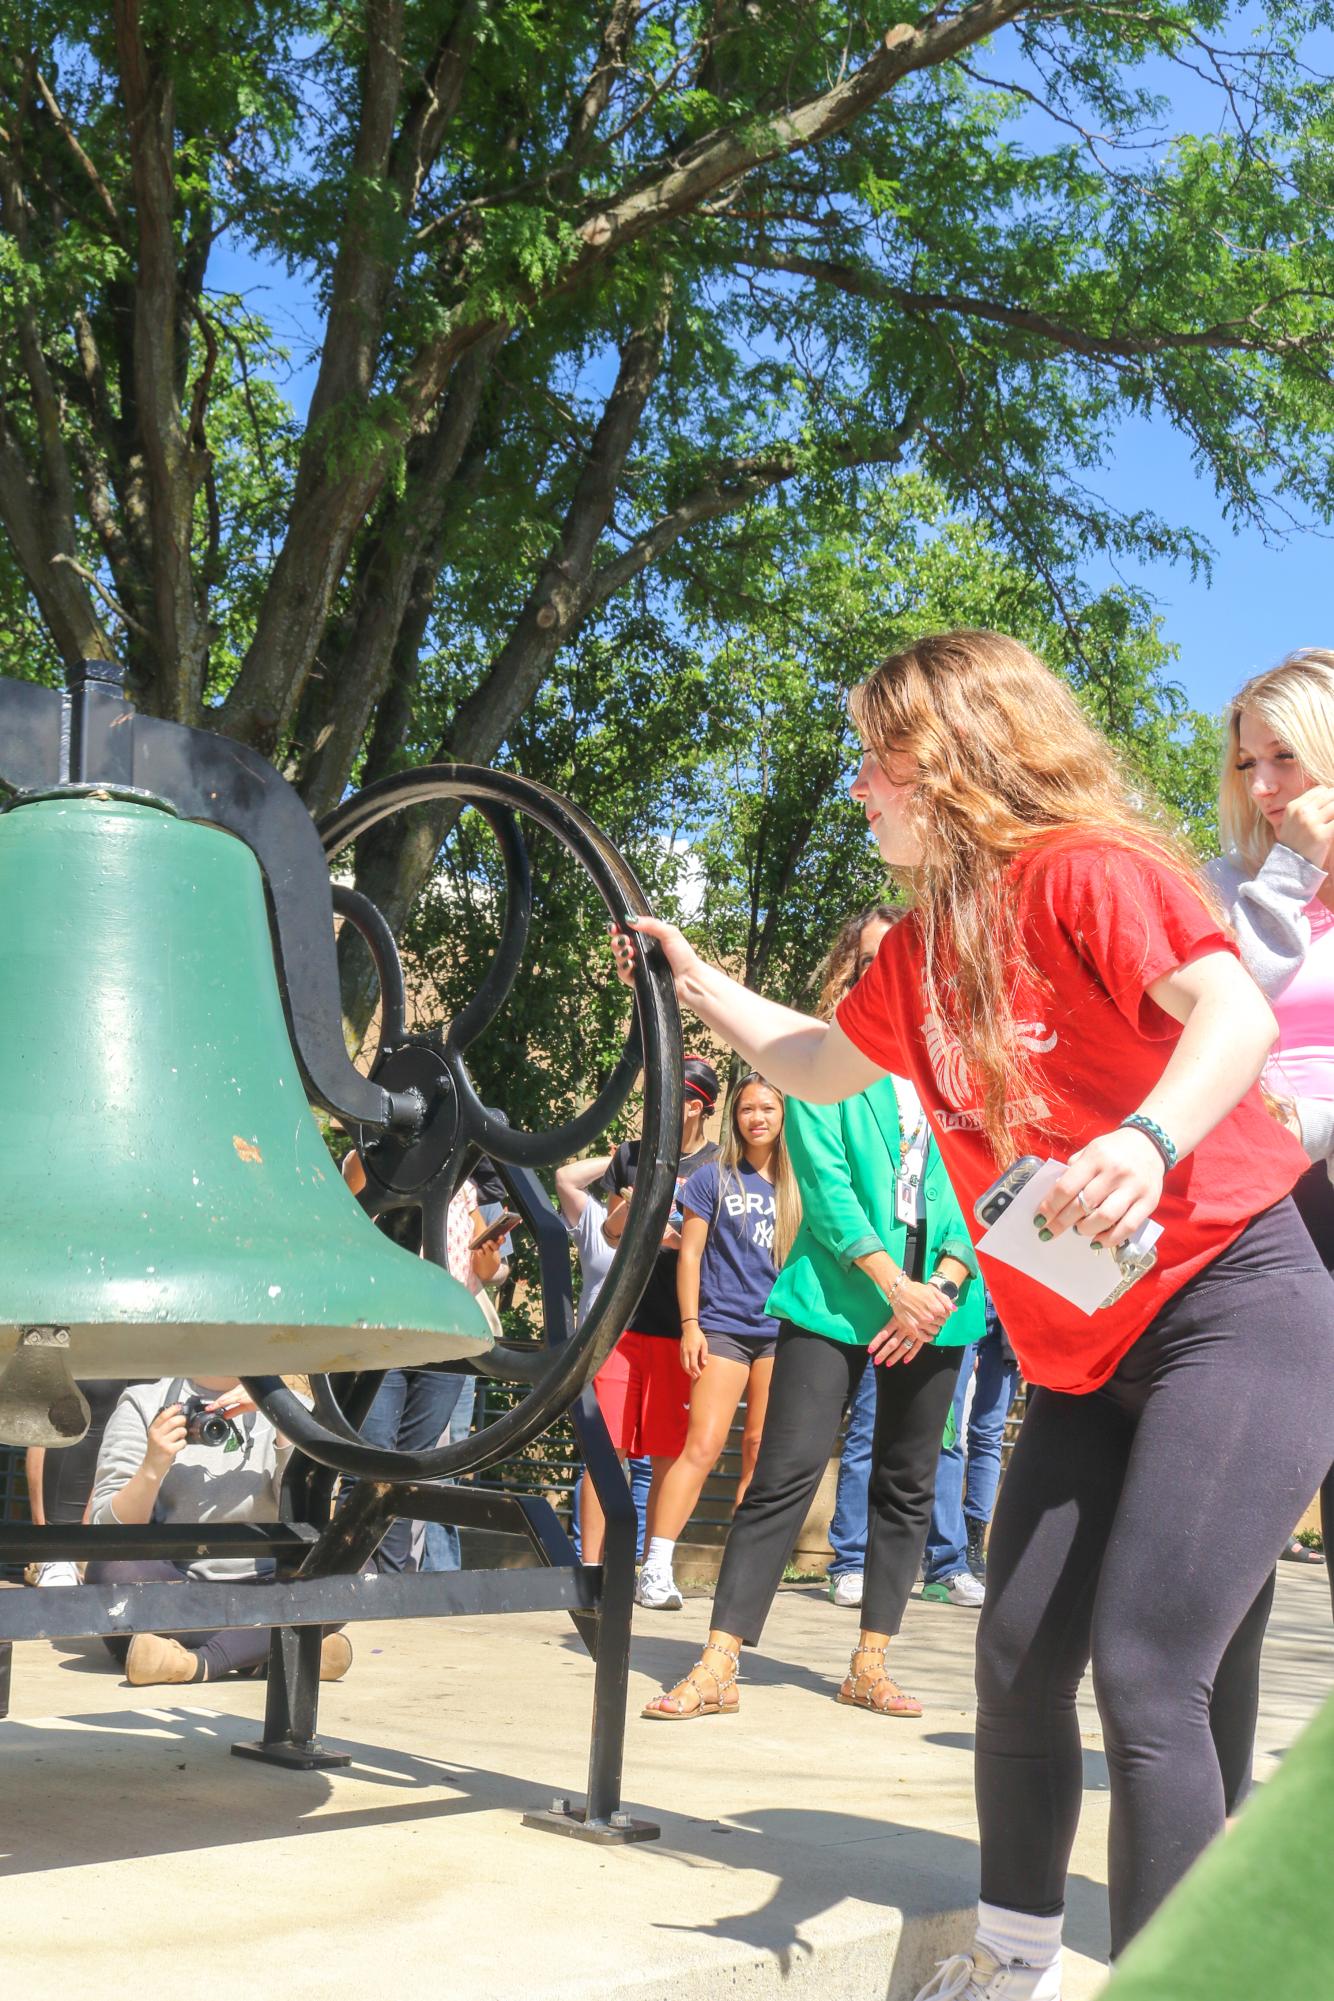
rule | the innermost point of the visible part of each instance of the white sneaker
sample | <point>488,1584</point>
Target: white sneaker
<point>657,1594</point>
<point>57,1573</point>
<point>976,1976</point>
<point>961,1589</point>
<point>846,1589</point>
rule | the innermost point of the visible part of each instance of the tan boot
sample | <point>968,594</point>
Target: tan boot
<point>156,1657</point>
<point>335,1656</point>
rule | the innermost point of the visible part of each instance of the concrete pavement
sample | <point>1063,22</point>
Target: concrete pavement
<point>806,1849</point>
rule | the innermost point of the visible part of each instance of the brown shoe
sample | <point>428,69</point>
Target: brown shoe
<point>156,1657</point>
<point>335,1656</point>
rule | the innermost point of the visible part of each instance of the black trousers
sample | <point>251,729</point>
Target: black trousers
<point>814,1378</point>
<point>1135,1528</point>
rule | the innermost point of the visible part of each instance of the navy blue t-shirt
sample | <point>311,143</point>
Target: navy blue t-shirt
<point>737,1271</point>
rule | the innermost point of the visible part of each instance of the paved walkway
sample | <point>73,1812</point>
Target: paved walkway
<point>807,1849</point>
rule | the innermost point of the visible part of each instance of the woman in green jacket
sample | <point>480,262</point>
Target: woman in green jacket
<point>881,1274</point>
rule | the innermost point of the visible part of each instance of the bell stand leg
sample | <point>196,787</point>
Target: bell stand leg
<point>6,1665</point>
<point>602,1820</point>
<point>291,1706</point>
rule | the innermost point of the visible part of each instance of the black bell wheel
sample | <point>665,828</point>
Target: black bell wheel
<point>422,1171</point>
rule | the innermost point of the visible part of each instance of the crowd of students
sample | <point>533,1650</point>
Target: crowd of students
<point>1060,979</point>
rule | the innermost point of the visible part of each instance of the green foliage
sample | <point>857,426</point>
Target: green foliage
<point>893,364</point>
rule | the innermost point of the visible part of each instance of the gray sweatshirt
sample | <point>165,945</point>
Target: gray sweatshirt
<point>205,1483</point>
<point>1268,910</point>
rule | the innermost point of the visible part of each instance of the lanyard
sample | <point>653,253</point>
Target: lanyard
<point>914,1138</point>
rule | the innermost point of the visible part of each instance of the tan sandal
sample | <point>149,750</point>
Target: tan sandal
<point>873,1688</point>
<point>666,1708</point>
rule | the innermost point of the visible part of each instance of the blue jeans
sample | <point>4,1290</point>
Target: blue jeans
<point>411,1412</point>
<point>440,1545</point>
<point>969,1470</point>
<point>847,1529</point>
<point>641,1478</point>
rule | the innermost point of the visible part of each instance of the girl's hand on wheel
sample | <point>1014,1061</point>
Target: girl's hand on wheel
<point>680,955</point>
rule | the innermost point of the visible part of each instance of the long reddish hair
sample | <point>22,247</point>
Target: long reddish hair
<point>1006,759</point>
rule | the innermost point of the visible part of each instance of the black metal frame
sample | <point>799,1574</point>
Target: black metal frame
<point>422,1126</point>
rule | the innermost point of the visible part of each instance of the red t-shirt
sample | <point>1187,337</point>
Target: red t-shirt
<point>1101,924</point>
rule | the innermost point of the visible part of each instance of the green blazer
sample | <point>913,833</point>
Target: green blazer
<point>846,1158</point>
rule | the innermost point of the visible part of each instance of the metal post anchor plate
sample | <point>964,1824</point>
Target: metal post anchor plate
<point>618,1828</point>
<point>294,1755</point>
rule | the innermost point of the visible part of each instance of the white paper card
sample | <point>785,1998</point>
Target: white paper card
<point>1068,1265</point>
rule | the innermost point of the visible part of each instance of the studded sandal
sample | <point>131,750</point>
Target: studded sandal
<point>667,1707</point>
<point>872,1688</point>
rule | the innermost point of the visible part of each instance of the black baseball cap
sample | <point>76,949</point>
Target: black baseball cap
<point>701,1081</point>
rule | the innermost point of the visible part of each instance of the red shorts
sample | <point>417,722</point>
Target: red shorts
<point>644,1396</point>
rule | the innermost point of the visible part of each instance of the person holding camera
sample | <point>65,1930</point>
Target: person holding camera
<point>193,1450</point>
<point>1066,986</point>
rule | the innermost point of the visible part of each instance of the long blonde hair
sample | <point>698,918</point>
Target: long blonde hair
<point>1006,758</point>
<point>1296,700</point>
<point>732,1152</point>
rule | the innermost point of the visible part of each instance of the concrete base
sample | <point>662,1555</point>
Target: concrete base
<point>806,1850</point>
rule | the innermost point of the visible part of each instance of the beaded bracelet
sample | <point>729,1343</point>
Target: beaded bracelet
<point>1139,1122</point>
<point>889,1296</point>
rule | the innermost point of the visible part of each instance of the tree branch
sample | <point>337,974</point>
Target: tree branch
<point>732,485</point>
<point>356,307</point>
<point>357,673</point>
<point>432,108</point>
<point>1224,336</point>
<point>94,584</point>
<point>36,540</point>
<point>555,603</point>
<point>172,472</point>
<point>617,32</point>
<point>66,131</point>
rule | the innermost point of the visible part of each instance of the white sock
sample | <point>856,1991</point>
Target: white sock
<point>658,1556</point>
<point>1011,1935</point>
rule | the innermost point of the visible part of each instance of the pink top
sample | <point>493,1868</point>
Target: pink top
<point>458,1237</point>
<point>1302,1064</point>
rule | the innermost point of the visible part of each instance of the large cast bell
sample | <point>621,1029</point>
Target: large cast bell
<point>166,1200</point>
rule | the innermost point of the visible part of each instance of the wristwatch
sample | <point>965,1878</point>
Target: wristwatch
<point>945,1285</point>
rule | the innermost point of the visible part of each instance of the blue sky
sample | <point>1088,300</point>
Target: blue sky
<point>1263,599</point>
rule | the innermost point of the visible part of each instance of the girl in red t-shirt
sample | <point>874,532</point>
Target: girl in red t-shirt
<point>1064,986</point>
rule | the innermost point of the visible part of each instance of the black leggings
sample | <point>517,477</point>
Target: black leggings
<point>813,1380</point>
<point>228,1652</point>
<point>1135,1528</point>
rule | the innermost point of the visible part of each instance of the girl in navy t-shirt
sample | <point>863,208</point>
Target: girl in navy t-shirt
<point>741,1213</point>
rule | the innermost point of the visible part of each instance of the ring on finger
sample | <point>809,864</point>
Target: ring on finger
<point>1083,1201</point>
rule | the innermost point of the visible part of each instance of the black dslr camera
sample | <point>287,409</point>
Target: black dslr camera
<point>208,1427</point>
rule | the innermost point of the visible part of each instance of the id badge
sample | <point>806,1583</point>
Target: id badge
<point>905,1197</point>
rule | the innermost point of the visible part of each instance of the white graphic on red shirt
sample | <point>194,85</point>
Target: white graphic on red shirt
<point>947,1062</point>
<point>951,1070</point>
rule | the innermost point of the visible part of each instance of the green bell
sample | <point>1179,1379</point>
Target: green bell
<point>166,1200</point>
